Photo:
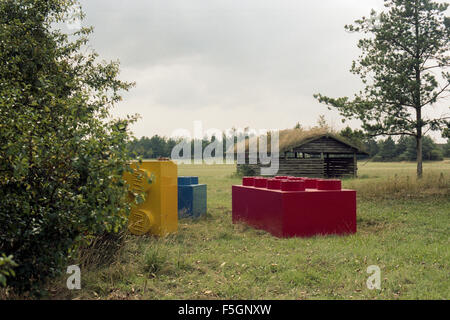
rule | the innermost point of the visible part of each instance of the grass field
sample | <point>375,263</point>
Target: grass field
<point>403,227</point>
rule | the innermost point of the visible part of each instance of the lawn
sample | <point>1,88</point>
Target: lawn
<point>403,227</point>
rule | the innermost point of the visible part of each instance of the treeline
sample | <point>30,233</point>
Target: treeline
<point>161,147</point>
<point>404,149</point>
<point>151,148</point>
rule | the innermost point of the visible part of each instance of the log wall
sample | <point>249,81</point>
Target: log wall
<point>314,168</point>
<point>325,145</point>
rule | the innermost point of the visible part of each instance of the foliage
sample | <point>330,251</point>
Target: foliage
<point>408,46</point>
<point>387,149</point>
<point>405,150</point>
<point>298,126</point>
<point>62,155</point>
<point>154,147</point>
<point>447,149</point>
<point>245,170</point>
<point>322,123</point>
<point>7,265</point>
<point>359,137</point>
<point>356,136</point>
<point>158,146</point>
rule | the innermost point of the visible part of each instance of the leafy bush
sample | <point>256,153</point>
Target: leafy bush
<point>7,265</point>
<point>245,170</point>
<point>61,156</point>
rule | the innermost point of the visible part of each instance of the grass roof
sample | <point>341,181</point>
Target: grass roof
<point>291,138</point>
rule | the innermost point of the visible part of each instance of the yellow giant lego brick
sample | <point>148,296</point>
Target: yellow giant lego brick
<point>158,215</point>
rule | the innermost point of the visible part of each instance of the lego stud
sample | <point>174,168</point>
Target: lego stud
<point>248,181</point>
<point>295,179</point>
<point>184,181</point>
<point>332,184</point>
<point>140,222</point>
<point>274,184</point>
<point>261,182</point>
<point>292,185</point>
<point>138,180</point>
<point>310,183</point>
<point>194,180</point>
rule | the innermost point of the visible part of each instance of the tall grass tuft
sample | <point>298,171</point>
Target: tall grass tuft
<point>432,184</point>
<point>154,260</point>
<point>101,250</point>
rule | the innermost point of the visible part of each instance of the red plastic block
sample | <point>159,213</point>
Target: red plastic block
<point>248,181</point>
<point>274,184</point>
<point>296,179</point>
<point>260,182</point>
<point>291,208</point>
<point>282,177</point>
<point>311,183</point>
<point>329,184</point>
<point>292,185</point>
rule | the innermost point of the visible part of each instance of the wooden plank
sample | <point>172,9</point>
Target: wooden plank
<point>325,144</point>
<point>313,167</point>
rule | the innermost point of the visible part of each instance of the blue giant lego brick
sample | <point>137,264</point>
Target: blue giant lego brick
<point>184,181</point>
<point>194,180</point>
<point>191,198</point>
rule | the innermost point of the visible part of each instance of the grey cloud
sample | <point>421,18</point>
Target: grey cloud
<point>228,56</point>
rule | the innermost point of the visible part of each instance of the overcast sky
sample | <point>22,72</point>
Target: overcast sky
<point>239,63</point>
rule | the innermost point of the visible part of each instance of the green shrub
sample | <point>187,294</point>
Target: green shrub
<point>436,155</point>
<point>245,171</point>
<point>7,265</point>
<point>62,156</point>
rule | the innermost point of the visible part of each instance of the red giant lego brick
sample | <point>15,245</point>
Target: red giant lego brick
<point>295,207</point>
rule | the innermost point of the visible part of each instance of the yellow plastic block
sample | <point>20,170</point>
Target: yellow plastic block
<point>158,215</point>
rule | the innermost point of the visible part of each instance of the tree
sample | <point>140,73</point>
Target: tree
<point>409,45</point>
<point>154,147</point>
<point>387,149</point>
<point>322,123</point>
<point>356,136</point>
<point>447,149</point>
<point>298,126</point>
<point>372,147</point>
<point>431,151</point>
<point>405,150</point>
<point>62,156</point>
<point>402,145</point>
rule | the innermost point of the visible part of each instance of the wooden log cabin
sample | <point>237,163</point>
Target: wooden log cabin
<point>323,155</point>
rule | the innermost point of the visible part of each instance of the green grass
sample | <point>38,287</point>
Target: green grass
<point>403,229</point>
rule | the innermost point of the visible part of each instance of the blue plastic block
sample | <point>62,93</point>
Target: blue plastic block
<point>194,180</point>
<point>184,181</point>
<point>191,198</point>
